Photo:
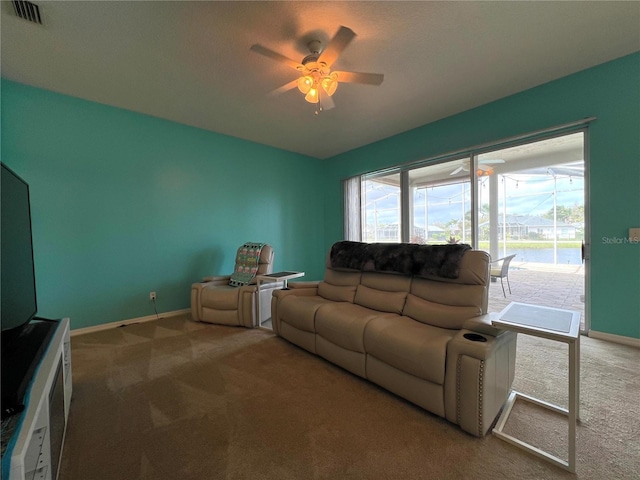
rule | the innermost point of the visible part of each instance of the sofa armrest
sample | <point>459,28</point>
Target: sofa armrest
<point>479,372</point>
<point>217,279</point>
<point>309,290</point>
<point>482,324</point>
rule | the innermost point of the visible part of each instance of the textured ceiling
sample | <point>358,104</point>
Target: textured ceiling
<point>190,61</point>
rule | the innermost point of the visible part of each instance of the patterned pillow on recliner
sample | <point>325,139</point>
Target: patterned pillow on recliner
<point>247,262</point>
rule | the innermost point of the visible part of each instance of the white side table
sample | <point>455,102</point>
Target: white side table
<point>553,324</point>
<point>283,277</point>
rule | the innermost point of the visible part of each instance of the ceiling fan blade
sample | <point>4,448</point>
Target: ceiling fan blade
<point>338,43</point>
<point>327,102</point>
<point>457,170</point>
<point>356,77</point>
<point>284,88</point>
<point>267,52</point>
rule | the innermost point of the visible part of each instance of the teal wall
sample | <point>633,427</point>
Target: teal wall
<point>124,204</point>
<point>610,92</point>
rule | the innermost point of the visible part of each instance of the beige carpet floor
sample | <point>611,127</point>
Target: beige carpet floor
<point>174,399</point>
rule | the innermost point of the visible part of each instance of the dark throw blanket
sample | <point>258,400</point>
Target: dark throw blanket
<point>405,258</point>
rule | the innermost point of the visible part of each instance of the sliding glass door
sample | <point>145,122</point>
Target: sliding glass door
<point>531,205</point>
<point>526,200</point>
<point>440,203</point>
<point>531,201</point>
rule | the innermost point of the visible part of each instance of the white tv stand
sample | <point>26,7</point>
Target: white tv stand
<point>31,455</point>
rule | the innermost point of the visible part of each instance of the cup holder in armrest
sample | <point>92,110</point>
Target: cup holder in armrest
<point>474,337</point>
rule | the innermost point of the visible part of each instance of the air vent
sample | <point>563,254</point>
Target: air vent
<point>27,10</point>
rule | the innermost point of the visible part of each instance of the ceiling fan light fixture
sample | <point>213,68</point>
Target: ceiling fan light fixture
<point>330,83</point>
<point>312,96</point>
<point>315,69</point>
<point>484,172</point>
<point>305,83</point>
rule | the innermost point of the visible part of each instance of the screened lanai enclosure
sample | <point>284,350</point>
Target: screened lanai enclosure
<point>526,200</point>
<point>530,195</point>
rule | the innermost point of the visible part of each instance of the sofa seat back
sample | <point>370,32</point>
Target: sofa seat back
<point>437,301</point>
<point>438,314</point>
<point>339,286</point>
<point>383,292</point>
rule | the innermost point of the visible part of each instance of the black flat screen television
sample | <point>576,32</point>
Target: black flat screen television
<point>19,303</point>
<point>24,338</point>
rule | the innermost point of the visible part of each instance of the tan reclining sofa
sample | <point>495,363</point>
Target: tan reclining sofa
<point>420,332</point>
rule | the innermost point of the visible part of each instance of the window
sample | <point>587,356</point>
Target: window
<point>440,203</point>
<point>381,210</point>
<point>494,199</point>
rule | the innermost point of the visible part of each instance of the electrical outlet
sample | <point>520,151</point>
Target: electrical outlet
<point>152,296</point>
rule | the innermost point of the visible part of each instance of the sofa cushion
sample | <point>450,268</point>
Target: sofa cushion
<point>447,293</point>
<point>343,324</point>
<point>337,293</point>
<point>220,297</point>
<point>437,314</point>
<point>410,346</point>
<point>300,310</point>
<point>389,282</point>
<point>339,277</point>
<point>380,300</point>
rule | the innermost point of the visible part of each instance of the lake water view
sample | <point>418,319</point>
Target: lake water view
<point>566,256</point>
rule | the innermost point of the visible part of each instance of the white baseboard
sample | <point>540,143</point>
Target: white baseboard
<point>106,326</point>
<point>609,337</point>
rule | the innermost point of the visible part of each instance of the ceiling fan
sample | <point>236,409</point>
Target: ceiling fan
<point>484,167</point>
<point>316,77</point>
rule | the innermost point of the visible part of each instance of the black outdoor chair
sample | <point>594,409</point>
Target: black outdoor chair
<point>501,271</point>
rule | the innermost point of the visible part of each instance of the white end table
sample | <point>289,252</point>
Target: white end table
<point>553,324</point>
<point>283,277</point>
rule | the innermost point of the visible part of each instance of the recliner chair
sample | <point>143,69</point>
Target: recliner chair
<point>214,300</point>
